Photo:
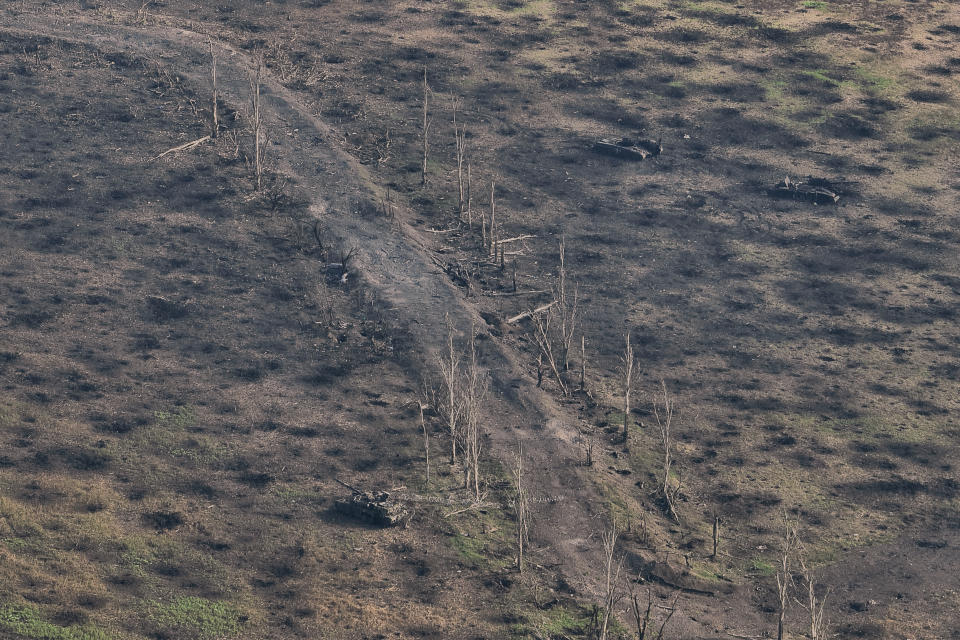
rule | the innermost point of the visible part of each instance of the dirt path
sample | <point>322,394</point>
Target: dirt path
<point>395,264</point>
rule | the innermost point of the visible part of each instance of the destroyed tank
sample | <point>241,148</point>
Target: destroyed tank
<point>628,148</point>
<point>815,190</point>
<point>373,508</point>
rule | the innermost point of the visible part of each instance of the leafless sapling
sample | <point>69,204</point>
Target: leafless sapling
<point>643,616</point>
<point>629,363</point>
<point>542,325</point>
<point>521,509</point>
<point>567,308</point>
<point>426,439</point>
<point>469,197</point>
<point>663,413</point>
<point>215,110</point>
<point>475,390</point>
<point>583,360</point>
<point>256,123</point>
<point>788,547</point>
<point>426,127</point>
<point>815,604</point>
<point>493,220</point>
<point>612,568</point>
<point>451,403</point>
<point>460,135</point>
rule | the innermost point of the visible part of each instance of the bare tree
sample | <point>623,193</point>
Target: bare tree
<point>583,354</point>
<point>426,127</point>
<point>611,589</point>
<point>663,413</point>
<point>629,363</point>
<point>450,404</point>
<point>788,547</point>
<point>469,198</point>
<point>475,389</point>
<point>215,118</point>
<point>644,619</point>
<point>815,605</point>
<point>426,438</point>
<point>256,123</point>
<point>566,307</point>
<point>554,326</point>
<point>542,325</point>
<point>521,511</point>
<point>493,219</point>
<point>460,135</point>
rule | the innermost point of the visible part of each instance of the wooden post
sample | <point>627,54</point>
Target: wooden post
<point>716,535</point>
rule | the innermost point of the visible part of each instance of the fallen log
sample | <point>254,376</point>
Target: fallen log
<point>526,314</point>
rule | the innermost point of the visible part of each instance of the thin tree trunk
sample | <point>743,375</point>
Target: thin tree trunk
<point>493,220</point>
<point>469,199</point>
<point>215,124</point>
<point>426,441</point>
<point>426,127</point>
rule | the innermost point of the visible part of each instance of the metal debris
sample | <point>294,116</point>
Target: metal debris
<point>372,507</point>
<point>815,190</point>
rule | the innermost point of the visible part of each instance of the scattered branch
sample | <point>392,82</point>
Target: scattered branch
<point>526,314</point>
<point>189,146</point>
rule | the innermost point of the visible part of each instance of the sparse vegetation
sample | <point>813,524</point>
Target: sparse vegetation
<point>26,621</point>
<point>198,617</point>
<point>189,367</point>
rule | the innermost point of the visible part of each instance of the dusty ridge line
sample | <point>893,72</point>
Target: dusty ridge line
<point>394,264</point>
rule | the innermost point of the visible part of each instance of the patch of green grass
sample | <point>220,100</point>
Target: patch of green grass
<point>821,75</point>
<point>873,80</point>
<point>470,549</point>
<point>618,509</point>
<point>179,418</point>
<point>560,621</point>
<point>198,617</point>
<point>762,567</point>
<point>774,89</point>
<point>26,621</point>
<point>705,571</point>
<point>815,4</point>
<point>17,545</point>
<point>8,416</point>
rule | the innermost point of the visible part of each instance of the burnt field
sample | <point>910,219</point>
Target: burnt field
<point>190,363</point>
